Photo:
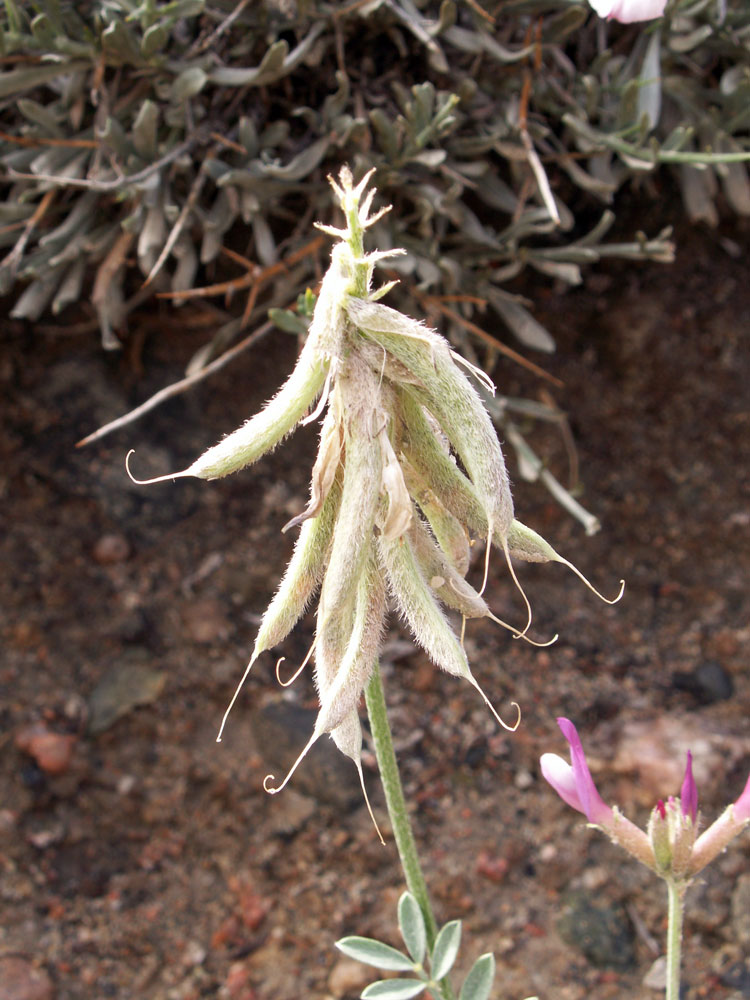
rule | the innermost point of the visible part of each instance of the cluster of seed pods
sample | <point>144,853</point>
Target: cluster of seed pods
<point>391,511</point>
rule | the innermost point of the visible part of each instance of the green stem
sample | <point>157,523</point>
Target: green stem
<point>653,154</point>
<point>676,893</point>
<point>397,811</point>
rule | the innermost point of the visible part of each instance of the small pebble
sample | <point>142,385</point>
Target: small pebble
<point>349,978</point>
<point>491,866</point>
<point>111,549</point>
<point>602,933</point>
<point>19,980</point>
<point>708,683</point>
<point>656,977</point>
<point>51,751</point>
<point>205,621</point>
<point>237,984</point>
<point>122,688</point>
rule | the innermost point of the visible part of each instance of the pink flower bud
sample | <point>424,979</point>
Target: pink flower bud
<point>689,793</point>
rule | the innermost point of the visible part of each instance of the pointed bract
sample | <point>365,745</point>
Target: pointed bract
<point>689,793</point>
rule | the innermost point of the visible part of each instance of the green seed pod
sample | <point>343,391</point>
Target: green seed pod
<point>361,488</point>
<point>417,603</point>
<point>442,577</point>
<point>448,530</point>
<point>428,460</point>
<point>437,469</point>
<point>343,669</point>
<point>449,395</point>
<point>266,429</point>
<point>328,325</point>
<point>341,681</point>
<point>301,579</point>
<point>302,576</point>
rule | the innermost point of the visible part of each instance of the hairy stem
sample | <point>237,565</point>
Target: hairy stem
<point>676,893</point>
<point>397,811</point>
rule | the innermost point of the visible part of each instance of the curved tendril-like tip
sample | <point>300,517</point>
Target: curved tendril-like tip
<point>321,402</point>
<point>299,669</point>
<point>157,479</point>
<point>358,765</point>
<point>521,591</point>
<point>590,585</point>
<point>235,696</point>
<point>270,777</point>
<point>522,635</point>
<point>479,374</point>
<point>487,556</point>
<point>382,367</point>
<point>511,729</point>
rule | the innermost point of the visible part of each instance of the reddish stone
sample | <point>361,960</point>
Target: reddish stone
<point>237,983</point>
<point>493,868</point>
<point>52,751</point>
<point>19,980</point>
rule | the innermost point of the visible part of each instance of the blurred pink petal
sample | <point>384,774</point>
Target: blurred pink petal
<point>628,11</point>
<point>742,805</point>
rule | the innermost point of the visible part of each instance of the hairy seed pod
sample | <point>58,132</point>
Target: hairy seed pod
<point>526,544</point>
<point>449,395</point>
<point>419,607</point>
<point>266,429</point>
<point>348,737</point>
<point>325,468</point>
<point>360,491</point>
<point>426,455</point>
<point>328,325</point>
<point>303,574</point>
<point>449,532</point>
<point>259,435</point>
<point>442,577</point>
<point>341,681</point>
<point>384,365</point>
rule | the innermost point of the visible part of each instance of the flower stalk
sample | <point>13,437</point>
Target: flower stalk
<point>395,801</point>
<point>398,811</point>
<point>676,897</point>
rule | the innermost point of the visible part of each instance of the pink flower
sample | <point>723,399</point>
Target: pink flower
<point>573,782</point>
<point>629,11</point>
<point>670,847</point>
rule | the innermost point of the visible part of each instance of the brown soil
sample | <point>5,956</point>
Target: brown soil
<point>139,859</point>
